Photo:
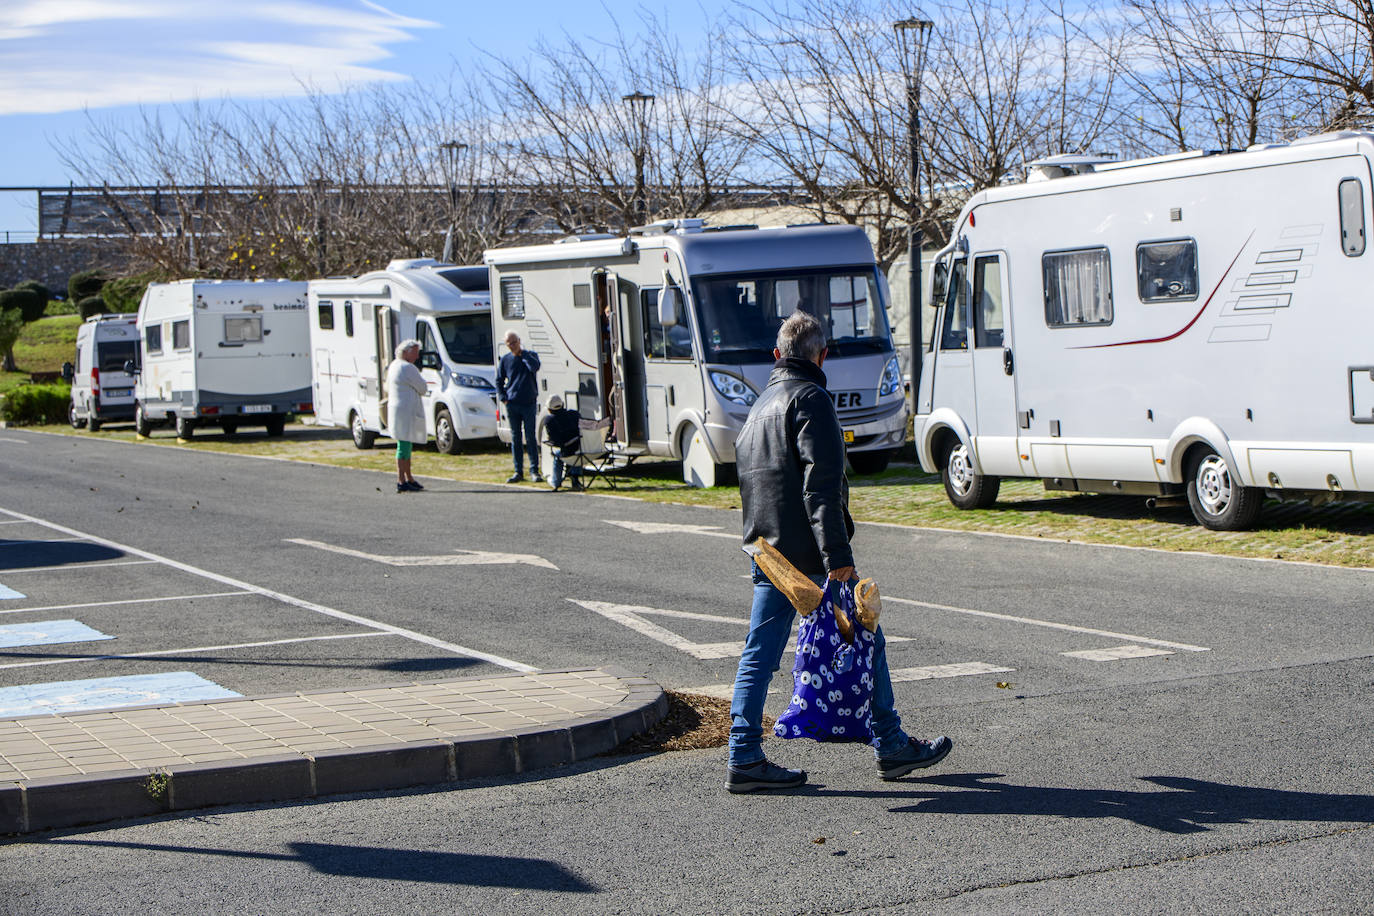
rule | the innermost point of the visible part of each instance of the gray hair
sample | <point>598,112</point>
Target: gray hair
<point>801,337</point>
<point>406,345</point>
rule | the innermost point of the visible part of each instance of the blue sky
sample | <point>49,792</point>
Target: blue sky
<point>59,58</point>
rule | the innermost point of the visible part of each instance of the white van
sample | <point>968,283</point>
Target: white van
<point>226,353</point>
<point>1194,326</point>
<point>355,324</point>
<point>102,390</point>
<point>670,331</point>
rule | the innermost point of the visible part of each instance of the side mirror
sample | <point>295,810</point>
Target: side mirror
<point>130,367</point>
<point>68,372</point>
<point>669,306</point>
<point>938,281</point>
<point>429,359</point>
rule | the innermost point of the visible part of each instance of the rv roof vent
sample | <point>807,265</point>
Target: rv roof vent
<point>1153,160</point>
<point>1064,165</point>
<point>412,263</point>
<point>665,226</point>
<point>584,237</point>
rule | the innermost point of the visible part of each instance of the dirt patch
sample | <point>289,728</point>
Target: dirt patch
<point>694,722</point>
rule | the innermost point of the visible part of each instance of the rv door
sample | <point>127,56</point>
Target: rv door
<point>610,311</point>
<point>994,367</point>
<point>384,327</point>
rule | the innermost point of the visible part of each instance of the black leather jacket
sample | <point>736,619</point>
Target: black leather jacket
<point>792,485</point>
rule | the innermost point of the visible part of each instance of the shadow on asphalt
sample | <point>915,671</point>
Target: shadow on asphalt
<point>1189,805</point>
<point>26,554</point>
<point>393,864</point>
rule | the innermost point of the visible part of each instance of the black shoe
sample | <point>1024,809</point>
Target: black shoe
<point>515,478</point>
<point>402,488</point>
<point>409,486</point>
<point>576,484</point>
<point>537,477</point>
<point>914,756</point>
<point>414,485</point>
<point>762,775</point>
<point>556,486</point>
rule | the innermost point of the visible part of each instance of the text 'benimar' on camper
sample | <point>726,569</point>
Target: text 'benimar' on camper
<point>1194,326</point>
<point>669,332</point>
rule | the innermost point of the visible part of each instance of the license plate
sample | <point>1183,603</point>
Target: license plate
<point>849,435</point>
<point>258,408</point>
<point>118,392</point>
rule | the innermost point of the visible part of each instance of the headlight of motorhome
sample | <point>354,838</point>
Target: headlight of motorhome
<point>471,381</point>
<point>733,389</point>
<point>892,378</point>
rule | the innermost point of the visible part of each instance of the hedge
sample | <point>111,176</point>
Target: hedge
<point>32,404</point>
<point>84,283</point>
<point>91,305</point>
<point>26,300</point>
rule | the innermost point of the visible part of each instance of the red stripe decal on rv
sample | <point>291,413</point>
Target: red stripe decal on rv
<point>1182,330</point>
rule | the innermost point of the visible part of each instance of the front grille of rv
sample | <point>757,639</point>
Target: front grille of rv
<point>868,414</point>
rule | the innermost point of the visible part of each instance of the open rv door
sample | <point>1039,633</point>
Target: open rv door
<point>384,327</point>
<point>610,312</point>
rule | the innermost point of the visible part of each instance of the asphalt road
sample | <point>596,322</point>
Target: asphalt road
<point>1212,756</point>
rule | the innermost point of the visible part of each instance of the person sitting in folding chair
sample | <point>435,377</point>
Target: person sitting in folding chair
<point>562,428</point>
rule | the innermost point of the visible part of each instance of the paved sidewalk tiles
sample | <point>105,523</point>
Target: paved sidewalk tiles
<point>87,767</point>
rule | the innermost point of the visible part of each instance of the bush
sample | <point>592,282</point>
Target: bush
<point>123,294</point>
<point>39,288</point>
<point>91,305</point>
<point>83,284</point>
<point>31,404</point>
<point>26,300</point>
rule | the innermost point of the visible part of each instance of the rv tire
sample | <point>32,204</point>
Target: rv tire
<point>93,424</point>
<point>362,436</point>
<point>445,435</point>
<point>229,428</point>
<point>276,425</point>
<point>1218,501</point>
<point>966,488</point>
<point>142,426</point>
<point>77,422</point>
<point>186,427</point>
<point>874,462</point>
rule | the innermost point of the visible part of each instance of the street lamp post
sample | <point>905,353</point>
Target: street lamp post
<point>452,148</point>
<point>913,36</point>
<point>638,104</point>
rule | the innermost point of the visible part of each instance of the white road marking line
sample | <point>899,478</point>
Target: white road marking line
<point>287,599</point>
<point>7,593</point>
<point>17,521</point>
<point>1114,654</point>
<point>958,669</point>
<point>714,531</point>
<point>192,651</point>
<point>461,558</point>
<point>14,441</point>
<point>68,607</point>
<point>65,567</point>
<point>1050,624</point>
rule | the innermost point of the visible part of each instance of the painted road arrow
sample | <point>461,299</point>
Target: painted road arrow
<point>458,558</point>
<point>714,531</point>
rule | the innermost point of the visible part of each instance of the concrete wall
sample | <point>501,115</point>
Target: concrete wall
<point>53,262</point>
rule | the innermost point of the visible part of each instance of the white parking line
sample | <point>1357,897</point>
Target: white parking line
<point>193,651</point>
<point>958,669</point>
<point>1050,624</point>
<point>68,607</point>
<point>64,568</point>
<point>1117,653</point>
<point>284,598</point>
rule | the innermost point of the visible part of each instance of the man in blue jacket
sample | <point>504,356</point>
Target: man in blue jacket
<point>517,385</point>
<point>795,496</point>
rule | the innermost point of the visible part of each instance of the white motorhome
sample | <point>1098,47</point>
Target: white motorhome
<point>1194,325</point>
<point>355,324</point>
<point>226,353</point>
<point>670,331</point>
<point>102,389</point>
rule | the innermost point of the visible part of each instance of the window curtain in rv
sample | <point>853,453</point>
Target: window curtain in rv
<point>1078,288</point>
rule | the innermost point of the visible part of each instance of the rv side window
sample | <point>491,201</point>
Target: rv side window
<point>425,338</point>
<point>243,330</point>
<point>326,316</point>
<point>582,295</point>
<point>152,336</point>
<point>1352,217</point>
<point>348,318</point>
<point>181,335</point>
<point>988,320</point>
<point>1166,271</point>
<point>512,297</point>
<point>676,343</point>
<point>1078,288</point>
<point>954,335</point>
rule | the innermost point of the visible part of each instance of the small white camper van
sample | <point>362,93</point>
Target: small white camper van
<point>1189,326</point>
<point>670,332</point>
<point>355,324</point>
<point>101,388</point>
<point>226,353</point>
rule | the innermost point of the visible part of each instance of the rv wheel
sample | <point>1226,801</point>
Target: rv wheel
<point>445,436</point>
<point>229,428</point>
<point>276,425</point>
<point>93,424</point>
<point>141,424</point>
<point>362,436</point>
<point>966,488</point>
<point>73,419</point>
<point>1218,501</point>
<point>870,462</point>
<point>186,427</point>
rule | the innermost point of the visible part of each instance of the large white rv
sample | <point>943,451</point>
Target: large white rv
<point>226,353</point>
<point>670,332</point>
<point>102,388</point>
<point>1194,325</point>
<point>355,324</point>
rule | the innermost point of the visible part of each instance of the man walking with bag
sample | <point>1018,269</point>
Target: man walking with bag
<point>795,496</point>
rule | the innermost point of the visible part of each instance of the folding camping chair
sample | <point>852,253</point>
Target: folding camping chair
<point>593,459</point>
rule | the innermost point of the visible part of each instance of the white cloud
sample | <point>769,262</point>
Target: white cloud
<point>65,55</point>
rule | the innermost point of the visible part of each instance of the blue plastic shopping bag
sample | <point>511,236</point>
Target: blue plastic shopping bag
<point>832,693</point>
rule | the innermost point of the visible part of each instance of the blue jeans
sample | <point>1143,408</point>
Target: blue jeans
<point>573,472</point>
<point>522,439</point>
<point>770,625</point>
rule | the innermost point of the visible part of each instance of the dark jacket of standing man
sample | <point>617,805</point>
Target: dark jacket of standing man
<point>517,385</point>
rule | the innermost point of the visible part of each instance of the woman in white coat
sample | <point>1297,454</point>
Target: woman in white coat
<point>404,389</point>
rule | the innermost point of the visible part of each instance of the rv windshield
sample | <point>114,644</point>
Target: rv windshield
<point>467,338</point>
<point>114,354</point>
<point>741,313</point>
